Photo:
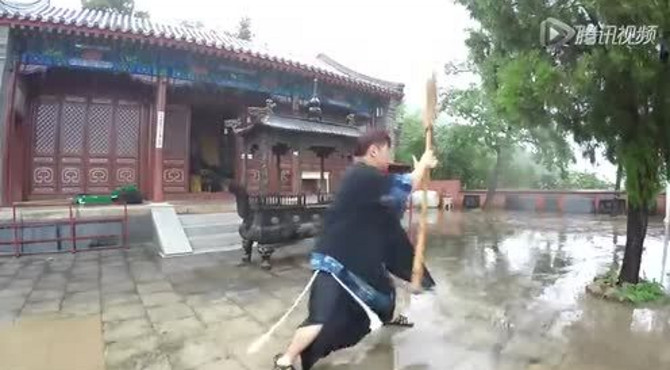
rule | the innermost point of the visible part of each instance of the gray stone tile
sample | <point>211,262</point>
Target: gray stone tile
<point>147,276</point>
<point>8,271</point>
<point>158,286</point>
<point>240,328</point>
<point>262,360</point>
<point>46,295</point>
<point>91,296</point>
<point>116,331</point>
<point>269,309</point>
<point>14,292</point>
<point>120,298</point>
<point>119,286</point>
<point>227,364</point>
<point>123,312</point>
<point>82,285</point>
<point>12,303</point>
<point>80,309</point>
<point>131,353</point>
<point>81,304</point>
<point>5,280</point>
<point>61,267</point>
<point>29,273</point>
<point>115,277</point>
<point>22,283</point>
<point>157,362</point>
<point>217,312</point>
<point>111,253</point>
<point>169,312</point>
<point>41,307</point>
<point>52,280</point>
<point>176,330</point>
<point>197,352</point>
<point>87,257</point>
<point>160,299</point>
<point>8,317</point>
<point>85,268</point>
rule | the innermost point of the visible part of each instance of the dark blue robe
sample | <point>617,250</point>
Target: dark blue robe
<point>362,230</point>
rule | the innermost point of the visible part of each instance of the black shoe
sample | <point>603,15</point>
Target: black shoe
<point>280,367</point>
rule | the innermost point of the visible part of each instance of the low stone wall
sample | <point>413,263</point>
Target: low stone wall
<point>576,201</point>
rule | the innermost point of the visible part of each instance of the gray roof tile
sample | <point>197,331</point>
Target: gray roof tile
<point>303,125</point>
<point>53,15</point>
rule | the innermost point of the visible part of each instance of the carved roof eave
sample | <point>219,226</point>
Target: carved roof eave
<point>157,35</point>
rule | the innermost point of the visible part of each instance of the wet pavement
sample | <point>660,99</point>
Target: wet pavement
<point>510,295</point>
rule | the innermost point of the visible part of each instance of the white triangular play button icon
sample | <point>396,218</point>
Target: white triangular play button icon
<point>555,32</point>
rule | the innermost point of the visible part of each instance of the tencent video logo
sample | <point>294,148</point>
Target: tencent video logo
<point>555,33</point>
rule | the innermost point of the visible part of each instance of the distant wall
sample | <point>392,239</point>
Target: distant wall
<point>572,201</point>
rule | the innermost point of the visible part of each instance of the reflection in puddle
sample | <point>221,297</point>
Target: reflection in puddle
<point>511,293</point>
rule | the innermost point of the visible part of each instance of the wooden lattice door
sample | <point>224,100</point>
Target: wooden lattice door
<point>83,145</point>
<point>176,149</point>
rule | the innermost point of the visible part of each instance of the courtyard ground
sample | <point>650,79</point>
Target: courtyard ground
<point>510,295</point>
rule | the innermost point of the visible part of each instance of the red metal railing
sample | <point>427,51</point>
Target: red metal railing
<point>18,240</point>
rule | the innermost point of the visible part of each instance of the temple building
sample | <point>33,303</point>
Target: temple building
<point>94,100</point>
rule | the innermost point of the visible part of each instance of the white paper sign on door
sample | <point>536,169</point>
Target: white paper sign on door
<point>160,123</point>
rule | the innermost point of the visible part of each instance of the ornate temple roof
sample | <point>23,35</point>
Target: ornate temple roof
<point>98,23</point>
<point>297,124</point>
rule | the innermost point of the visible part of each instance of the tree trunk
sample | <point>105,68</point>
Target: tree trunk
<point>617,189</point>
<point>493,182</point>
<point>636,230</point>
<point>619,175</point>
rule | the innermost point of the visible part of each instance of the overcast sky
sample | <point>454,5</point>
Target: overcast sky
<point>400,41</point>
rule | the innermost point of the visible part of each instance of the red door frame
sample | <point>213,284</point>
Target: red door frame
<point>8,122</point>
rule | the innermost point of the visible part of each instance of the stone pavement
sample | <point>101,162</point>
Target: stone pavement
<point>510,296</point>
<point>195,312</point>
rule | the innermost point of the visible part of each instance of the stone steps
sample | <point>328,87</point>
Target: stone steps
<point>213,232</point>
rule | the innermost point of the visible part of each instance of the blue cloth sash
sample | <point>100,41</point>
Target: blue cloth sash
<point>379,302</point>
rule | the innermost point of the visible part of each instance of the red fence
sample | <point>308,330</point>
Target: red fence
<point>64,232</point>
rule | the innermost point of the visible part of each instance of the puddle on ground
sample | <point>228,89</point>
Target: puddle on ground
<point>510,295</point>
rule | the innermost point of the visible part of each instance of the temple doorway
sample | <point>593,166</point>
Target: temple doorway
<point>212,149</point>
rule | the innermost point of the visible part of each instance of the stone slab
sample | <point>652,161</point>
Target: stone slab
<point>169,231</point>
<point>170,312</point>
<point>122,330</point>
<point>123,312</point>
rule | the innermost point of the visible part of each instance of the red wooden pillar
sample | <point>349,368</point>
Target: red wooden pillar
<point>296,172</point>
<point>7,192</point>
<point>161,90</point>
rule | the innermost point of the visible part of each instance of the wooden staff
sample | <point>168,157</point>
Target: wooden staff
<point>428,119</point>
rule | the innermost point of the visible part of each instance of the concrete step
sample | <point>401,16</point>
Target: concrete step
<point>211,229</point>
<point>216,243</point>
<point>225,238</point>
<point>211,218</point>
<point>213,232</point>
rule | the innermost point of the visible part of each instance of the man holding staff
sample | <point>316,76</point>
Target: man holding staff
<point>362,243</point>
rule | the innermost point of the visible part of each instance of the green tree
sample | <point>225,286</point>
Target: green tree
<point>611,96</point>
<point>192,24</point>
<point>142,14</point>
<point>459,156</point>
<point>584,181</point>
<point>119,6</point>
<point>488,130</point>
<point>244,29</point>
<point>501,138</point>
